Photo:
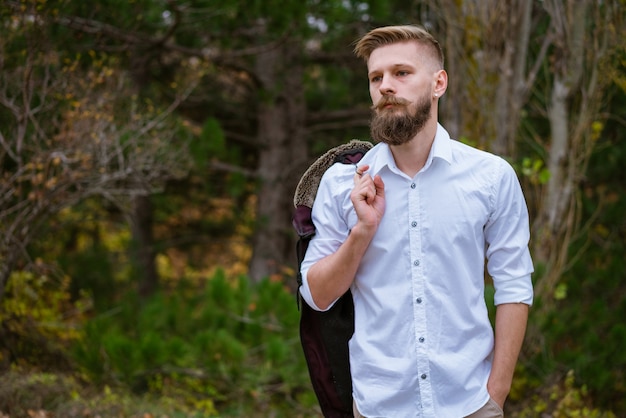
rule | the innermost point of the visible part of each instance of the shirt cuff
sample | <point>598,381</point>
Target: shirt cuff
<point>305,292</point>
<point>514,290</point>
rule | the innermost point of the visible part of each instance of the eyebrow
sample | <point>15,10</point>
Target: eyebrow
<point>393,67</point>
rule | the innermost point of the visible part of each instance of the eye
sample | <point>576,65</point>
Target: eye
<point>402,73</point>
<point>375,79</point>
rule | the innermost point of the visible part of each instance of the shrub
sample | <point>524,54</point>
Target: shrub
<point>227,345</point>
<point>38,319</point>
<point>564,399</point>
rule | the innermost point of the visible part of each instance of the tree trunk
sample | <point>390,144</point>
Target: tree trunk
<point>281,117</point>
<point>7,265</point>
<point>486,45</point>
<point>511,93</point>
<point>142,223</point>
<point>556,218</point>
<point>452,102</point>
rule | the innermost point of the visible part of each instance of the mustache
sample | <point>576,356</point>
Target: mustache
<point>390,100</point>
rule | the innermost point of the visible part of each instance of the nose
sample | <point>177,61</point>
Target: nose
<point>386,85</point>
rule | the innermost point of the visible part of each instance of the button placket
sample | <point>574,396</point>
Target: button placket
<point>419,307</point>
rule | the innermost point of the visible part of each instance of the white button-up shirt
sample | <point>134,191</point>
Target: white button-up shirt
<point>423,342</point>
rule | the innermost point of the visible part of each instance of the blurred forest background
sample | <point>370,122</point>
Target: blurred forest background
<point>149,151</point>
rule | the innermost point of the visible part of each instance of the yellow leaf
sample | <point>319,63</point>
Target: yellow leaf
<point>560,292</point>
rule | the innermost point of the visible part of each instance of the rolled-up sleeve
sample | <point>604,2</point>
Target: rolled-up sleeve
<point>507,236</point>
<point>331,229</point>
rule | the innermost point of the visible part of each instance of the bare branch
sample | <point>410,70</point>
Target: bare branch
<point>539,61</point>
<point>76,149</point>
<point>229,168</point>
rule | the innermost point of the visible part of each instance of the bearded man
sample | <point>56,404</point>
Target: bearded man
<point>411,234</point>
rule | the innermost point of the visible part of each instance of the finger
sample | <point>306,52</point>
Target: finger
<point>369,190</point>
<point>380,186</point>
<point>364,189</point>
<point>359,171</point>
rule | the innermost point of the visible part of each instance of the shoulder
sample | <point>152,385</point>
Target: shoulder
<point>463,150</point>
<point>339,176</point>
<point>311,180</point>
<point>333,197</point>
<point>489,172</point>
<point>480,160</point>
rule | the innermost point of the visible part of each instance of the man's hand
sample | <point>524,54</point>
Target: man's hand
<point>368,198</point>
<point>330,277</point>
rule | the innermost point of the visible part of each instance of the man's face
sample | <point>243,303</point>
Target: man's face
<point>401,78</point>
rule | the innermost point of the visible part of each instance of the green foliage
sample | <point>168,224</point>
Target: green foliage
<point>563,400</point>
<point>37,318</point>
<point>91,271</point>
<point>585,332</point>
<point>89,246</point>
<point>211,144</point>
<point>26,394</point>
<point>21,391</point>
<point>227,343</point>
<point>535,170</point>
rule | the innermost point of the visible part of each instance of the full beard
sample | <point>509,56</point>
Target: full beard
<point>395,128</point>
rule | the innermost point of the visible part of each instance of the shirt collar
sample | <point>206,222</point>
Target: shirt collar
<point>441,149</point>
<point>442,145</point>
<point>382,159</point>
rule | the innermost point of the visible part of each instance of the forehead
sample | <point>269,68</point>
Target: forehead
<point>397,54</point>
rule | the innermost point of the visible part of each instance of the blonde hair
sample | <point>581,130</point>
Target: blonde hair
<point>387,35</point>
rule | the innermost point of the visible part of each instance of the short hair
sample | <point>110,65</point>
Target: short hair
<point>387,35</point>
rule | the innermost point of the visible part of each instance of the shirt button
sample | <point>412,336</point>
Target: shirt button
<point>416,263</point>
<point>421,339</point>
<point>423,376</point>
<point>418,300</point>
<point>413,224</point>
<point>412,185</point>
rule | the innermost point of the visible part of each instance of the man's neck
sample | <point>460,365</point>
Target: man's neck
<point>411,157</point>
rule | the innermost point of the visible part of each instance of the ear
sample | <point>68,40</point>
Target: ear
<point>440,83</point>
